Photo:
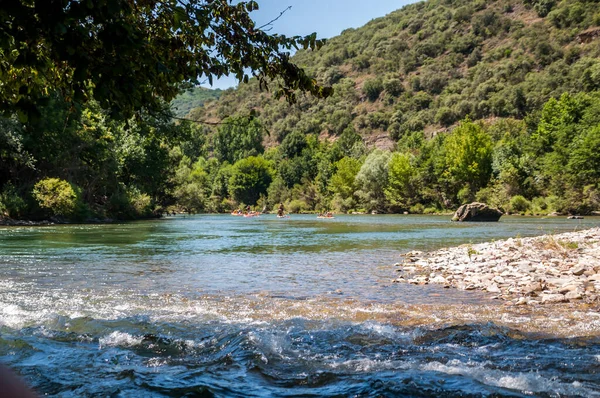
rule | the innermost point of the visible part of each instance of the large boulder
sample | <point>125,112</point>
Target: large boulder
<point>476,212</point>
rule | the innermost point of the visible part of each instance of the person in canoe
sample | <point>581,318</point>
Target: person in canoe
<point>281,211</point>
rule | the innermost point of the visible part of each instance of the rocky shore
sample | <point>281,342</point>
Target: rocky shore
<point>540,270</point>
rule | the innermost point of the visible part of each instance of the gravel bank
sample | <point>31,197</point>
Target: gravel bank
<point>547,269</point>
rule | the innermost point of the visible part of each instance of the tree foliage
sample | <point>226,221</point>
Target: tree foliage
<point>238,138</point>
<point>133,54</point>
<point>250,179</point>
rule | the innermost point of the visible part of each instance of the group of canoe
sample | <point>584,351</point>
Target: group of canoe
<point>240,213</point>
<point>280,214</point>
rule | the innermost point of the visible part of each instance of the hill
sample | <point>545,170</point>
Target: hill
<point>431,64</point>
<point>193,98</point>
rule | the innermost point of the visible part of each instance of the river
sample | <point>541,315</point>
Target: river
<point>215,305</point>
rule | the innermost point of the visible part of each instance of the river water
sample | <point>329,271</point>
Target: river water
<point>234,307</point>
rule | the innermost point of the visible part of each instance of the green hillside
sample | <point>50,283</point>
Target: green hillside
<point>432,63</point>
<point>193,98</point>
<point>437,104</point>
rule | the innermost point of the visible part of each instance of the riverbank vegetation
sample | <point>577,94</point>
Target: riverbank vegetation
<point>434,105</point>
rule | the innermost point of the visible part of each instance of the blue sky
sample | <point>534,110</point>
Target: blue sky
<point>326,17</point>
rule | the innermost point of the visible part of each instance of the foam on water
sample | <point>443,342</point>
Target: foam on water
<point>528,383</point>
<point>119,339</point>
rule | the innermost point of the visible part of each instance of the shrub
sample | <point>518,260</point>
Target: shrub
<point>445,116</point>
<point>465,195</point>
<point>393,87</point>
<point>141,202</point>
<point>430,210</point>
<point>518,204</point>
<point>361,63</point>
<point>11,204</point>
<point>417,209</point>
<point>372,88</point>
<point>539,206</point>
<point>297,206</point>
<point>59,197</point>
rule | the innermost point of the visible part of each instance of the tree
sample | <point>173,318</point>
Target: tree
<point>249,179</point>
<point>238,138</point>
<point>293,144</point>
<point>468,157</point>
<point>401,174</point>
<point>58,196</point>
<point>343,182</point>
<point>372,180</point>
<point>132,54</point>
<point>192,185</point>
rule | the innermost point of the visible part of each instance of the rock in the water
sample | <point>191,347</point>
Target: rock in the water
<point>476,212</point>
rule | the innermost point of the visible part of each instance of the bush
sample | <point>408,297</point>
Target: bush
<point>518,204</point>
<point>11,204</point>
<point>372,89</point>
<point>445,116</point>
<point>417,209</point>
<point>465,195</point>
<point>297,206</point>
<point>59,197</point>
<point>393,87</point>
<point>141,203</point>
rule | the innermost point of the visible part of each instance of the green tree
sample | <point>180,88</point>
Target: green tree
<point>468,158</point>
<point>372,179</point>
<point>250,178</point>
<point>400,190</point>
<point>293,144</point>
<point>343,181</point>
<point>192,186</point>
<point>238,138</point>
<point>584,162</point>
<point>59,197</point>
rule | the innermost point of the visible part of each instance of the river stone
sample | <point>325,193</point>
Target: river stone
<point>594,278</point>
<point>574,295</point>
<point>493,288</point>
<point>533,288</point>
<point>568,288</point>
<point>553,298</point>
<point>476,212</point>
<point>521,301</point>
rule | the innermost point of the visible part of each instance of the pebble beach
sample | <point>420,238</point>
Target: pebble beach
<point>531,271</point>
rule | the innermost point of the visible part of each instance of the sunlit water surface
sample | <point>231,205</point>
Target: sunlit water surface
<point>229,306</point>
